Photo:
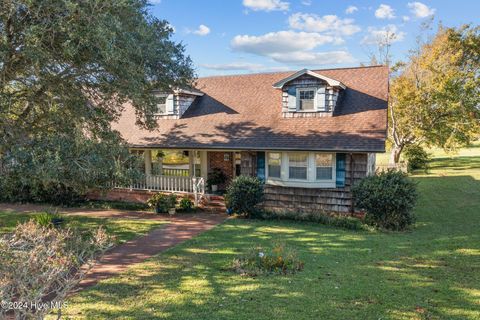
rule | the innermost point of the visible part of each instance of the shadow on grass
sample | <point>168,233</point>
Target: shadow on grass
<point>431,272</point>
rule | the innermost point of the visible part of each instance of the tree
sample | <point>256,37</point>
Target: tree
<point>435,98</point>
<point>67,67</point>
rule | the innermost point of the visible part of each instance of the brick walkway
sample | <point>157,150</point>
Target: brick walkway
<point>179,229</point>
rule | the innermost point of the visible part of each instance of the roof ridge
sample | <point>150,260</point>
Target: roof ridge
<point>288,71</point>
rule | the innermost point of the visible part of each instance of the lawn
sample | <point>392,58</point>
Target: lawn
<point>430,272</point>
<point>122,229</point>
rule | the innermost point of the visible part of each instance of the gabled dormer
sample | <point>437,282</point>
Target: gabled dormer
<point>308,94</point>
<point>172,105</point>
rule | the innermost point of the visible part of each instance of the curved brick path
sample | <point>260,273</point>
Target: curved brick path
<point>180,228</point>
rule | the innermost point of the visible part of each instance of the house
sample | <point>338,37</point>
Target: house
<point>309,135</point>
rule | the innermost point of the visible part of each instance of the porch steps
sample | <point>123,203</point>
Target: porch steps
<point>214,203</point>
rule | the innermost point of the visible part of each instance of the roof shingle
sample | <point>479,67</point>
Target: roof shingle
<point>244,112</point>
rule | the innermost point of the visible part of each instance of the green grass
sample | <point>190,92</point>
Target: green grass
<point>122,229</point>
<point>431,272</point>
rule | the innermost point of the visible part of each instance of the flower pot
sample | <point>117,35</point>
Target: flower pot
<point>214,188</point>
<point>171,211</point>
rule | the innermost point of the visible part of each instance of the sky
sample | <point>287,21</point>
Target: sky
<point>249,36</point>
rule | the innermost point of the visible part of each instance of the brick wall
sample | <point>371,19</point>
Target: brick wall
<point>335,200</point>
<point>217,160</point>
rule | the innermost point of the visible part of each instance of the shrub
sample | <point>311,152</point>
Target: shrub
<point>161,202</point>
<point>49,219</point>
<point>243,194</point>
<point>349,223</point>
<point>40,265</point>
<point>278,259</point>
<point>417,158</point>
<point>186,204</point>
<point>388,199</point>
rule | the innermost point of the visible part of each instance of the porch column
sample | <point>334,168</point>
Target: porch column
<point>148,162</point>
<point>191,163</point>
<point>203,164</point>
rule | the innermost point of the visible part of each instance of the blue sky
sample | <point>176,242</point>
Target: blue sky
<point>245,36</point>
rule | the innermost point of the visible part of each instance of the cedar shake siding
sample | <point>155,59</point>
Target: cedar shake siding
<point>332,200</point>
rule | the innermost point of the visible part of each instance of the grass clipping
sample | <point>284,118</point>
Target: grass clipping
<point>278,259</point>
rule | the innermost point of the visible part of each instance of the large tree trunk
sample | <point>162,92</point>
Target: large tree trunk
<point>395,154</point>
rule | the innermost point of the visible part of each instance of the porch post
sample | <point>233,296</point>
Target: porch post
<point>191,163</point>
<point>148,162</point>
<point>203,164</point>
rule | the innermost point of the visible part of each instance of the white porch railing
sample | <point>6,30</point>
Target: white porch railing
<point>168,184</point>
<point>195,185</point>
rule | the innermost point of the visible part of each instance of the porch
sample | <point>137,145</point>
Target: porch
<point>184,170</point>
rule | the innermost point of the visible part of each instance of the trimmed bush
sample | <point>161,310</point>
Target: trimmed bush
<point>161,202</point>
<point>278,259</point>
<point>186,204</point>
<point>349,223</point>
<point>244,194</point>
<point>388,199</point>
<point>417,158</point>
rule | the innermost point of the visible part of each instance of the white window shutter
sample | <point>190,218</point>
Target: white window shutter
<point>292,99</point>
<point>321,99</point>
<point>169,104</point>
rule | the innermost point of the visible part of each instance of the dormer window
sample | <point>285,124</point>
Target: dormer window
<point>308,94</point>
<point>306,99</point>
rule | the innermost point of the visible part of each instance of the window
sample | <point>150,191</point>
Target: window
<point>162,105</point>
<point>306,99</point>
<point>297,166</point>
<point>274,165</point>
<point>324,166</point>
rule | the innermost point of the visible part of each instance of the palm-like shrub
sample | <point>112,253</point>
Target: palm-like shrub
<point>388,199</point>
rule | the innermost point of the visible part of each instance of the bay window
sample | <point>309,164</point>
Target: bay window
<point>301,169</point>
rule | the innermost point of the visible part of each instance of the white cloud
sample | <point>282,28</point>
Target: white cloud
<point>380,35</point>
<point>303,58</point>
<point>405,18</point>
<point>384,11</point>
<point>202,30</point>
<point>351,9</point>
<point>242,66</point>
<point>307,2</point>
<point>420,10</point>
<point>281,41</point>
<point>266,5</point>
<point>330,24</point>
<point>291,47</point>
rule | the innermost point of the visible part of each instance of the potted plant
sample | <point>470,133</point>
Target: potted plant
<point>215,178</point>
<point>163,203</point>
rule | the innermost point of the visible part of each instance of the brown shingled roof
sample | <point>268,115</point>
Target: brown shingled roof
<point>244,112</point>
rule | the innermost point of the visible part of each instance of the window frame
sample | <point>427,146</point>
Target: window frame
<point>315,98</point>
<point>165,96</point>
<point>316,166</point>
<point>306,167</point>
<point>267,167</point>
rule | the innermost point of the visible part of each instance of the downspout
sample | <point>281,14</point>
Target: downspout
<point>352,209</point>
